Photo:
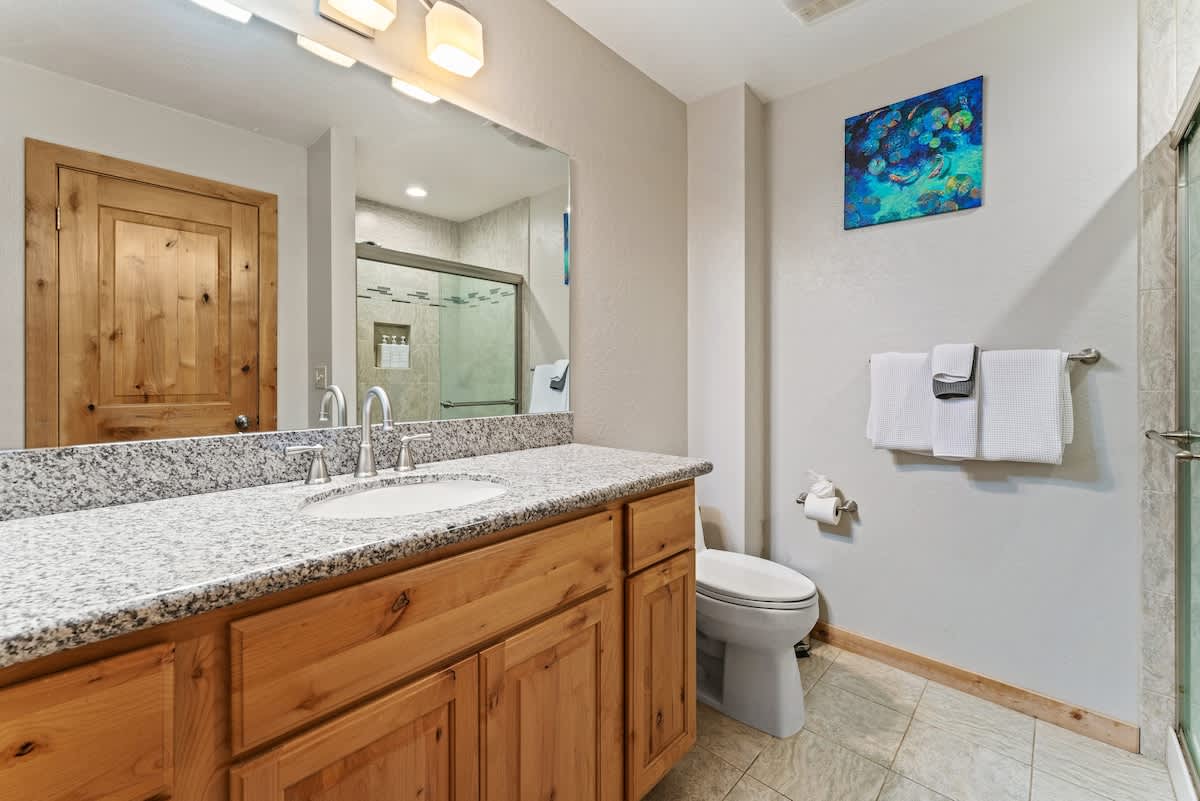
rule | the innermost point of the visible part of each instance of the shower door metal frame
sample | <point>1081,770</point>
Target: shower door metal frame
<point>401,258</point>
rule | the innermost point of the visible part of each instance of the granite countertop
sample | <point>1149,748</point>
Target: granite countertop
<point>79,577</point>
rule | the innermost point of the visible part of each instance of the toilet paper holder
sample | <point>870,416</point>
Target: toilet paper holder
<point>848,507</point>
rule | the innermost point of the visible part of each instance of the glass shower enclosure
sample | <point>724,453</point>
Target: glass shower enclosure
<point>443,338</point>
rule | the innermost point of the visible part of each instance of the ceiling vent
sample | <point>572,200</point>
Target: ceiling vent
<point>811,11</point>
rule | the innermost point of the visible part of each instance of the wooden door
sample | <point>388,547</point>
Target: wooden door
<point>660,631</point>
<point>552,709</point>
<point>160,296</point>
<point>420,742</point>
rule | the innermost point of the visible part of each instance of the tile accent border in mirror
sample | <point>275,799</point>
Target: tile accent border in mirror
<point>52,480</point>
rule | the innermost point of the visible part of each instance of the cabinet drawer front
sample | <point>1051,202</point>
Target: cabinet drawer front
<point>101,732</point>
<point>660,653</point>
<point>296,663</point>
<point>421,741</point>
<point>659,526</point>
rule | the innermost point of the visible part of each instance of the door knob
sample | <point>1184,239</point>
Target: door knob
<point>242,422</point>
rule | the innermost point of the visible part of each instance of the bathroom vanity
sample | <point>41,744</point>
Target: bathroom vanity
<point>554,658</point>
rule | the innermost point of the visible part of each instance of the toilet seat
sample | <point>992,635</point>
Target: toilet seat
<point>756,604</point>
<point>744,580</point>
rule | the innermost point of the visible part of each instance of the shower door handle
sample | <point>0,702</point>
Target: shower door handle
<point>1173,440</point>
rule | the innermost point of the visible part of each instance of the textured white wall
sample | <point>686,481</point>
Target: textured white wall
<point>726,315</point>
<point>47,106</point>
<point>546,78</point>
<point>1025,573</point>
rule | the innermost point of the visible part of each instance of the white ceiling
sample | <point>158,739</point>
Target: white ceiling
<point>697,47</point>
<point>254,77</point>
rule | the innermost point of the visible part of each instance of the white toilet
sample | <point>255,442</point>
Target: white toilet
<point>750,612</point>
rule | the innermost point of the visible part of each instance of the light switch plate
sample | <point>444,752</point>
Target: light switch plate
<point>321,377</point>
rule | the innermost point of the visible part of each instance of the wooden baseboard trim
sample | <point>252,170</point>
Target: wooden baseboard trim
<point>1083,721</point>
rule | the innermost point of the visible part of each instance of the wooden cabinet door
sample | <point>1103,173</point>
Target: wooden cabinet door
<point>660,646</point>
<point>99,732</point>
<point>420,742</point>
<point>552,709</point>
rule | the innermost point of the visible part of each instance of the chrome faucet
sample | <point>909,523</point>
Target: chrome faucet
<point>333,392</point>
<point>366,454</point>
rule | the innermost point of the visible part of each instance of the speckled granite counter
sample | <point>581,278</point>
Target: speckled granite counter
<point>78,577</point>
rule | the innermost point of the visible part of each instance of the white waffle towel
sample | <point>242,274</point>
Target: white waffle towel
<point>900,415</point>
<point>1025,412</point>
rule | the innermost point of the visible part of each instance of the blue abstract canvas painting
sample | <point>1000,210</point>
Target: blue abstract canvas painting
<point>917,157</point>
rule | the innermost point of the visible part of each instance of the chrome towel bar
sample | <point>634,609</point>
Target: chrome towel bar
<point>1085,356</point>
<point>464,404</point>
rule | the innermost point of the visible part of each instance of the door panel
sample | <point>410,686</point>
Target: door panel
<point>660,609</point>
<point>552,709</point>
<point>159,311</point>
<point>418,742</point>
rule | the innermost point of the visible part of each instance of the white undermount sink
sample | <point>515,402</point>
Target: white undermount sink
<point>405,499</point>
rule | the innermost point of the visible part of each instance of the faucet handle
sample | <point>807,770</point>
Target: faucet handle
<point>318,471</point>
<point>407,462</point>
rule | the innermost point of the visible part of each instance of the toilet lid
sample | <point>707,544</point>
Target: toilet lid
<point>741,576</point>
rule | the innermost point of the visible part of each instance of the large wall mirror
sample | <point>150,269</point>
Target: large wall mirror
<point>204,226</point>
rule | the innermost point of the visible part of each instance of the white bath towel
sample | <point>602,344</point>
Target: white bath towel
<point>1024,406</point>
<point>900,415</point>
<point>955,419</point>
<point>545,399</point>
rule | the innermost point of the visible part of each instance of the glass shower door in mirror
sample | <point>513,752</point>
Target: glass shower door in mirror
<point>478,347</point>
<point>442,338</point>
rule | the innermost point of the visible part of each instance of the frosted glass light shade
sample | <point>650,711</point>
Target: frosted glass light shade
<point>377,14</point>
<point>454,39</point>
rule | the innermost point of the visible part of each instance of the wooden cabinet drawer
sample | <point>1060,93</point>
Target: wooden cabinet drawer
<point>101,732</point>
<point>659,526</point>
<point>293,664</point>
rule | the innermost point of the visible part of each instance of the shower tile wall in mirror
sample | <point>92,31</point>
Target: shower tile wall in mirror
<point>220,223</point>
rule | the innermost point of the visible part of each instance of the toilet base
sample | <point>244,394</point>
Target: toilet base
<point>760,688</point>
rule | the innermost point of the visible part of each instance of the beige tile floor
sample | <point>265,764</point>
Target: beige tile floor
<point>875,733</point>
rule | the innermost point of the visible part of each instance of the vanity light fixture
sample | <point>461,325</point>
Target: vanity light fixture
<point>324,51</point>
<point>374,14</point>
<point>416,191</point>
<point>413,91</point>
<point>453,38</point>
<point>225,9</point>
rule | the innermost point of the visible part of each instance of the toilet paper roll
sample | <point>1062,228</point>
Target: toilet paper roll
<point>823,510</point>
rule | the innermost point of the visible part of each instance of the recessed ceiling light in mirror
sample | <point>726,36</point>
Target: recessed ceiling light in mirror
<point>225,9</point>
<point>415,92</point>
<point>416,191</point>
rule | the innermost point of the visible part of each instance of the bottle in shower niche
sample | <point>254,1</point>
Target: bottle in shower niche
<point>402,353</point>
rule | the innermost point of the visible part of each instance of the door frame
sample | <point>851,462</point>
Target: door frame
<point>42,163</point>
